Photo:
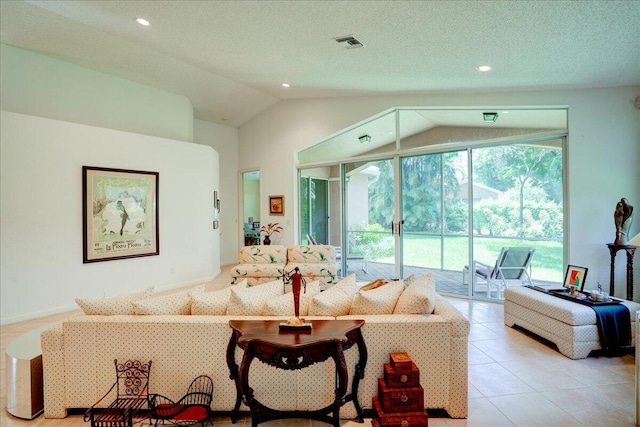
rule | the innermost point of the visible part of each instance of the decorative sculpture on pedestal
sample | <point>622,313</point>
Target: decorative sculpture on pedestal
<point>297,282</point>
<point>623,217</point>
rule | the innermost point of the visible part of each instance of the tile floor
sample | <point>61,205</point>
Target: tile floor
<point>514,380</point>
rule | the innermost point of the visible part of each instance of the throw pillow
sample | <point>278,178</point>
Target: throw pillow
<point>178,303</point>
<point>374,285</point>
<point>283,305</point>
<point>250,301</point>
<point>112,306</point>
<point>418,298</point>
<point>347,285</point>
<point>210,303</point>
<point>335,301</point>
<point>381,300</point>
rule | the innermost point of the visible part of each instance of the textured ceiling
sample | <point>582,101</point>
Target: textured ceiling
<point>230,57</point>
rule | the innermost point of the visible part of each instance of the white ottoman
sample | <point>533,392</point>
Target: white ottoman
<point>569,325</point>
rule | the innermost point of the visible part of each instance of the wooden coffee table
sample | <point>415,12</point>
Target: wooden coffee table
<point>296,349</point>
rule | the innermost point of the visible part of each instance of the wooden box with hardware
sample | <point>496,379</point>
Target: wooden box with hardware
<point>394,379</point>
<point>404,399</point>
<point>401,363</point>
<point>398,419</point>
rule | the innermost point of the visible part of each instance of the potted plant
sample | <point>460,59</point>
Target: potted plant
<point>268,230</point>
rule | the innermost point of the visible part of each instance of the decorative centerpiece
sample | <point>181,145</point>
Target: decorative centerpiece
<point>297,282</point>
<point>268,230</point>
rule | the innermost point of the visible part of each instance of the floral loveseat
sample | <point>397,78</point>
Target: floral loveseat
<point>185,334</point>
<point>265,263</point>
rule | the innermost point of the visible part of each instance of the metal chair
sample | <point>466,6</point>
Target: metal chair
<point>132,394</point>
<point>511,269</point>
<point>194,407</point>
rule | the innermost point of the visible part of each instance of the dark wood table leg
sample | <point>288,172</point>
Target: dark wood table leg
<point>359,373</point>
<point>341,388</point>
<point>630,253</point>
<point>233,374</point>
<point>612,270</point>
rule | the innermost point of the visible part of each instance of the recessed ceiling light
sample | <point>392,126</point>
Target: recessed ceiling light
<point>286,85</point>
<point>143,21</point>
<point>484,68</point>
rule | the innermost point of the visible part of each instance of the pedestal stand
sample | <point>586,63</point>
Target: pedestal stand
<point>630,250</point>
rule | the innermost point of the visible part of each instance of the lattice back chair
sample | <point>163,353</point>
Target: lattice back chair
<point>132,394</point>
<point>194,407</point>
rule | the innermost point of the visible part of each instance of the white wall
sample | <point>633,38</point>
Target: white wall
<point>224,139</point>
<point>57,117</point>
<point>604,151</point>
<point>41,188</point>
<point>43,86</point>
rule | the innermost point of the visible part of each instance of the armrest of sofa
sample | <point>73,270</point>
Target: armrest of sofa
<point>51,339</point>
<point>460,324</point>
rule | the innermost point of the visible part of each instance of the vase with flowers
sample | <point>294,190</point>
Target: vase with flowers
<point>268,230</point>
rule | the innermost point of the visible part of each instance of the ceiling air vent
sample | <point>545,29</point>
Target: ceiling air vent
<point>349,41</point>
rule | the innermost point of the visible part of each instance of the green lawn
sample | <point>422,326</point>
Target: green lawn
<point>424,251</point>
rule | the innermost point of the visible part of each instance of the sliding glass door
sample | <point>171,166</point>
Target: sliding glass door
<point>434,221</point>
<point>368,248</point>
<point>314,210</point>
<point>415,191</point>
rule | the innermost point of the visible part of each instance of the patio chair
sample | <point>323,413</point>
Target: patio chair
<point>512,268</point>
<point>338,252</point>
<point>194,407</point>
<point>132,394</point>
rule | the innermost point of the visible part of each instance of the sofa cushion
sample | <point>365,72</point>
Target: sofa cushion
<point>283,305</point>
<point>381,300</point>
<point>335,301</point>
<point>212,303</point>
<point>113,306</point>
<point>419,297</point>
<point>263,254</point>
<point>250,301</point>
<point>173,304</point>
<point>258,270</point>
<point>312,254</point>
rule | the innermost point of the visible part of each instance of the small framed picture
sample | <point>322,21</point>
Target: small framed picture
<point>276,205</point>
<point>256,225</point>
<point>575,277</point>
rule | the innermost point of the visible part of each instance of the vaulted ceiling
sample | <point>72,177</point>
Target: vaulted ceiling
<point>230,58</point>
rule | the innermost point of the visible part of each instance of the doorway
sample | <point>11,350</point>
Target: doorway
<point>250,224</point>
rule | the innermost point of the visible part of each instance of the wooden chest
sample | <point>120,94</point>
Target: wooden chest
<point>405,399</point>
<point>394,379</point>
<point>401,363</point>
<point>398,419</point>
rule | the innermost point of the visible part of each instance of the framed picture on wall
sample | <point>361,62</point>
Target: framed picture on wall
<point>119,214</point>
<point>276,205</point>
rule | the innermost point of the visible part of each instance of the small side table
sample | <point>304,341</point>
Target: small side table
<point>290,350</point>
<point>25,397</point>
<point>630,250</point>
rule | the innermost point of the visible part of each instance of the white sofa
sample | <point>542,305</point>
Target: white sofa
<point>78,356</point>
